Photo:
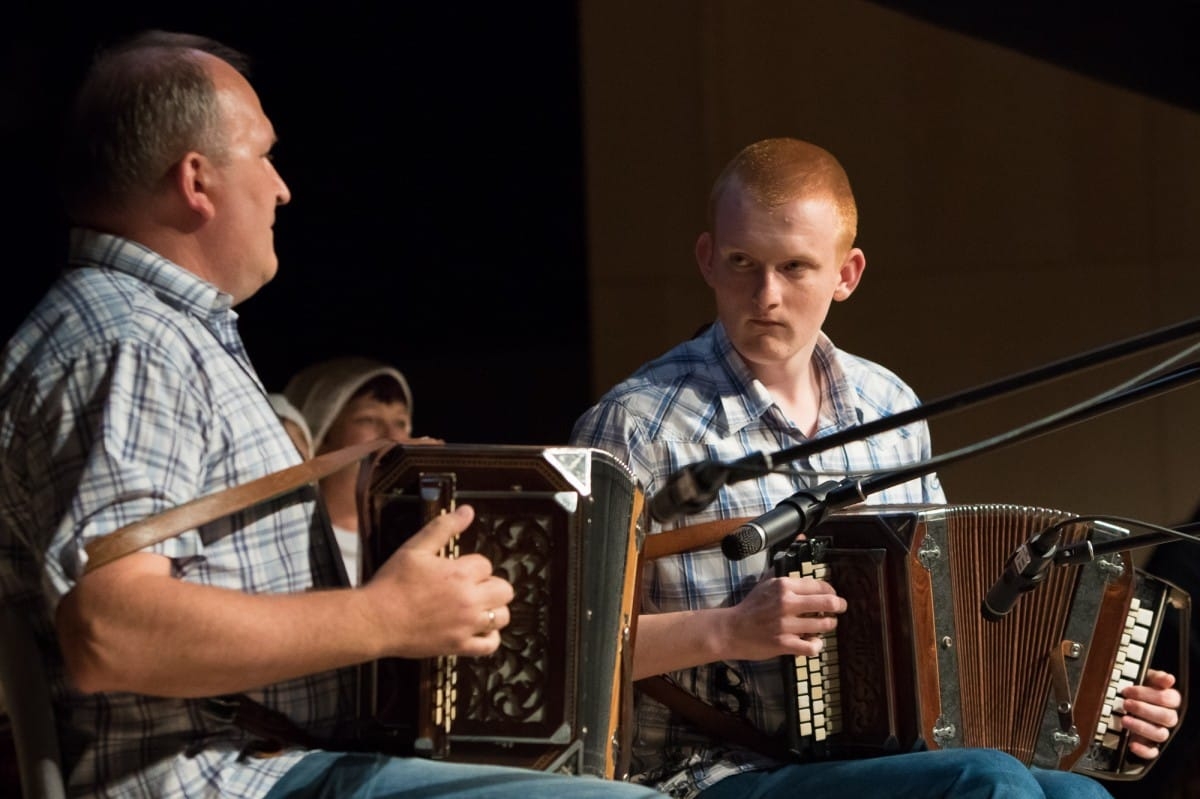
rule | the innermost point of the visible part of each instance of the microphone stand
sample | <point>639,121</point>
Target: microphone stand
<point>831,496</point>
<point>695,486</point>
<point>1088,550</point>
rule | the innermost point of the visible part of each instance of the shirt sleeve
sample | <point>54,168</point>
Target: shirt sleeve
<point>134,447</point>
<point>610,427</point>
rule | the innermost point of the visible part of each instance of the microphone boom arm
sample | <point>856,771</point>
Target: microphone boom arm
<point>834,495</point>
<point>695,486</point>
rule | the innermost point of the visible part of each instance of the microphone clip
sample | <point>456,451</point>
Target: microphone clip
<point>690,490</point>
<point>795,515</point>
<point>1025,570</point>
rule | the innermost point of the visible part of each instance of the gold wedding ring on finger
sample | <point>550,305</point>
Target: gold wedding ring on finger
<point>491,621</point>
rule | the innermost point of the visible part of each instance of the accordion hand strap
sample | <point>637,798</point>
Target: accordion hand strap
<point>209,508</point>
<point>721,725</point>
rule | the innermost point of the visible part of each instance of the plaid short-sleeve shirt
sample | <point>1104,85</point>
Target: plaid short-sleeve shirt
<point>125,392</point>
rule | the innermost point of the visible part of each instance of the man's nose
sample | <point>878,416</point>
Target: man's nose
<point>766,293</point>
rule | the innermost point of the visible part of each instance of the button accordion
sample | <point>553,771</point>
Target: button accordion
<point>912,658</point>
<point>562,525</point>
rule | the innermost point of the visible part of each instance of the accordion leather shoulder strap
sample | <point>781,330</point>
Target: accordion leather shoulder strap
<point>722,726</point>
<point>714,721</point>
<point>209,508</point>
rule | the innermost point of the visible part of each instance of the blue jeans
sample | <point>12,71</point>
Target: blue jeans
<point>958,773</point>
<point>338,775</point>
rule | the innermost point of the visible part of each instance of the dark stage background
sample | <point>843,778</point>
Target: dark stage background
<point>434,157</point>
<point>434,152</point>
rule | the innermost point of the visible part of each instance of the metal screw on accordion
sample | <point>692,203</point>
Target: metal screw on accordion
<point>929,553</point>
<point>1075,650</point>
<point>1065,741</point>
<point>943,732</point>
<point>1112,567</point>
<point>947,642</point>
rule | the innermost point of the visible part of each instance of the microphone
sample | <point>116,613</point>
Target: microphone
<point>799,512</point>
<point>1024,569</point>
<point>690,490</point>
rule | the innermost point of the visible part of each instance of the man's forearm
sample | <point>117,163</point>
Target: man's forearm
<point>131,626</point>
<point>668,642</point>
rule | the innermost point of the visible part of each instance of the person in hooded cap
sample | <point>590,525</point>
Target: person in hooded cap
<point>294,423</point>
<point>346,401</point>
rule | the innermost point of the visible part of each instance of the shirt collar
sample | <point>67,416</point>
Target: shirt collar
<point>172,283</point>
<point>749,401</point>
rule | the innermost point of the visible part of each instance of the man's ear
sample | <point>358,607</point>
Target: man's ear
<point>193,180</point>
<point>850,273</point>
<point>704,252</point>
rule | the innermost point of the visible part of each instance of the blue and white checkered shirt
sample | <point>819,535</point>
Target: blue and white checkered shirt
<point>127,391</point>
<point>699,401</point>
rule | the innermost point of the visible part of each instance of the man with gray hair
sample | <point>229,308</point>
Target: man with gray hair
<point>126,392</point>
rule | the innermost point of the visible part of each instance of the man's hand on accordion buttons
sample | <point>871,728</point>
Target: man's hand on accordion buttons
<point>783,616</point>
<point>427,604</point>
<point>1150,712</point>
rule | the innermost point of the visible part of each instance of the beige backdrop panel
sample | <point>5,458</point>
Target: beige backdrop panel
<point>1013,213</point>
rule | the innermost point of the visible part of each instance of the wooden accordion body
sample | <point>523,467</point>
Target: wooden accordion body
<point>562,524</point>
<point>913,658</point>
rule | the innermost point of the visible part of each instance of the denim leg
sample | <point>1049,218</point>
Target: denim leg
<point>336,775</point>
<point>958,773</point>
<point>1066,785</point>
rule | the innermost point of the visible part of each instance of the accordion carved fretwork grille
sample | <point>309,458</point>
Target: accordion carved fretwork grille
<point>509,685</point>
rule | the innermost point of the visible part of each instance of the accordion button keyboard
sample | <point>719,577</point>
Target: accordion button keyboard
<point>1127,670</point>
<point>818,711</point>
